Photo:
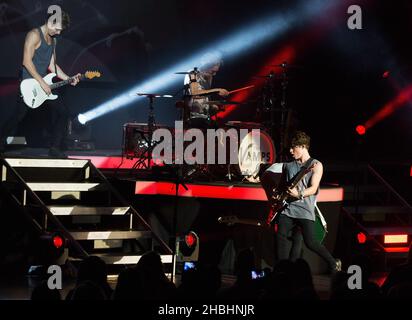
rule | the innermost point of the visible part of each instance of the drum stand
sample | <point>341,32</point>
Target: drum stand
<point>144,160</point>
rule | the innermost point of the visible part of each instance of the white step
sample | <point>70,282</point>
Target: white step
<point>87,211</point>
<point>46,163</point>
<point>133,259</point>
<point>106,235</point>
<point>61,186</point>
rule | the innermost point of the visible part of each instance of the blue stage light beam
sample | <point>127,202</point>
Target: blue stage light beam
<point>247,38</point>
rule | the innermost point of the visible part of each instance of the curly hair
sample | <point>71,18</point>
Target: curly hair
<point>300,138</point>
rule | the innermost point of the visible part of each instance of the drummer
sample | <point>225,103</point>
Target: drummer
<point>199,87</point>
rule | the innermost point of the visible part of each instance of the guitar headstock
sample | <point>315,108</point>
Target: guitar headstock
<point>92,74</point>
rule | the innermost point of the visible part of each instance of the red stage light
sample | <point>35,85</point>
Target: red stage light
<point>361,237</point>
<point>386,74</point>
<point>190,239</point>
<point>361,130</point>
<point>58,242</point>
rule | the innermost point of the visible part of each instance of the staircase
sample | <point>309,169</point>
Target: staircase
<point>73,197</point>
<point>377,210</point>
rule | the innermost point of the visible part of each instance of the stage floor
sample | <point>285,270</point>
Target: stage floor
<point>114,165</point>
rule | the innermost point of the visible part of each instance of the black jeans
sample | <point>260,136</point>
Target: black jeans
<point>59,117</point>
<point>288,230</point>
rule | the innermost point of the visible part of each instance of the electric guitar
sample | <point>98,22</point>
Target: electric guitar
<point>33,95</point>
<point>278,201</point>
<point>232,220</point>
<point>320,225</point>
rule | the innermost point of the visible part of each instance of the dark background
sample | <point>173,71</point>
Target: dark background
<point>339,86</point>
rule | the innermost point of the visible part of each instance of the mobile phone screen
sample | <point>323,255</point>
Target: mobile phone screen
<point>188,266</point>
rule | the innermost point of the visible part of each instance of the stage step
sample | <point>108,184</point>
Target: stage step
<point>132,259</point>
<point>87,211</point>
<point>110,235</point>
<point>61,186</point>
<point>82,205</point>
<point>46,163</point>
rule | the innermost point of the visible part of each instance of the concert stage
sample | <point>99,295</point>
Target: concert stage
<point>199,205</point>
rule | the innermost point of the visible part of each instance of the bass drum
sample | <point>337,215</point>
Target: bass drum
<point>255,149</point>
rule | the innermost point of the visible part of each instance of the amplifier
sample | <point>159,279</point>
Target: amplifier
<point>136,140</point>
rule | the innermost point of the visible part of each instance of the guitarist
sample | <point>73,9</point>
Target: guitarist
<point>298,217</point>
<point>38,58</point>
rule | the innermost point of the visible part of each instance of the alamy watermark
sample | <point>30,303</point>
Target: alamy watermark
<point>55,18</point>
<point>246,147</point>
<point>355,277</point>
<point>55,279</point>
<point>355,20</point>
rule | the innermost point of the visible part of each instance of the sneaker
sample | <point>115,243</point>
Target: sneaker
<point>56,153</point>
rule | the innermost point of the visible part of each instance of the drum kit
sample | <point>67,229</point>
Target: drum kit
<point>255,150</point>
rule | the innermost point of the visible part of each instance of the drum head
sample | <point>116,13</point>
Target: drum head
<point>255,149</point>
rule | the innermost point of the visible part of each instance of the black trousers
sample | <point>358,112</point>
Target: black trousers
<point>288,230</point>
<point>58,125</point>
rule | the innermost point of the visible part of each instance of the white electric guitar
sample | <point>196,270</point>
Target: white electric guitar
<point>33,94</point>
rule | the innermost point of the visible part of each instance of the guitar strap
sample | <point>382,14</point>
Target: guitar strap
<point>321,217</point>
<point>307,165</point>
<point>55,57</point>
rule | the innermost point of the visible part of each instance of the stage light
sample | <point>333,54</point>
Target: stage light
<point>187,247</point>
<point>386,74</point>
<point>267,28</point>
<point>82,118</point>
<point>191,240</point>
<point>361,237</point>
<point>58,241</point>
<point>361,130</point>
<point>52,249</point>
<point>395,238</point>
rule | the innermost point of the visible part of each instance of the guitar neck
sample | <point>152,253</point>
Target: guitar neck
<point>294,183</point>
<point>298,179</point>
<point>64,82</point>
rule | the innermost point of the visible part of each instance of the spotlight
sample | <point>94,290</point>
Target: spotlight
<point>52,249</point>
<point>187,247</point>
<point>361,237</point>
<point>58,241</point>
<point>361,130</point>
<point>79,135</point>
<point>82,118</point>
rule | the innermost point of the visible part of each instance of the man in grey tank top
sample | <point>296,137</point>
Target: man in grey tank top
<point>38,58</point>
<point>298,217</point>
